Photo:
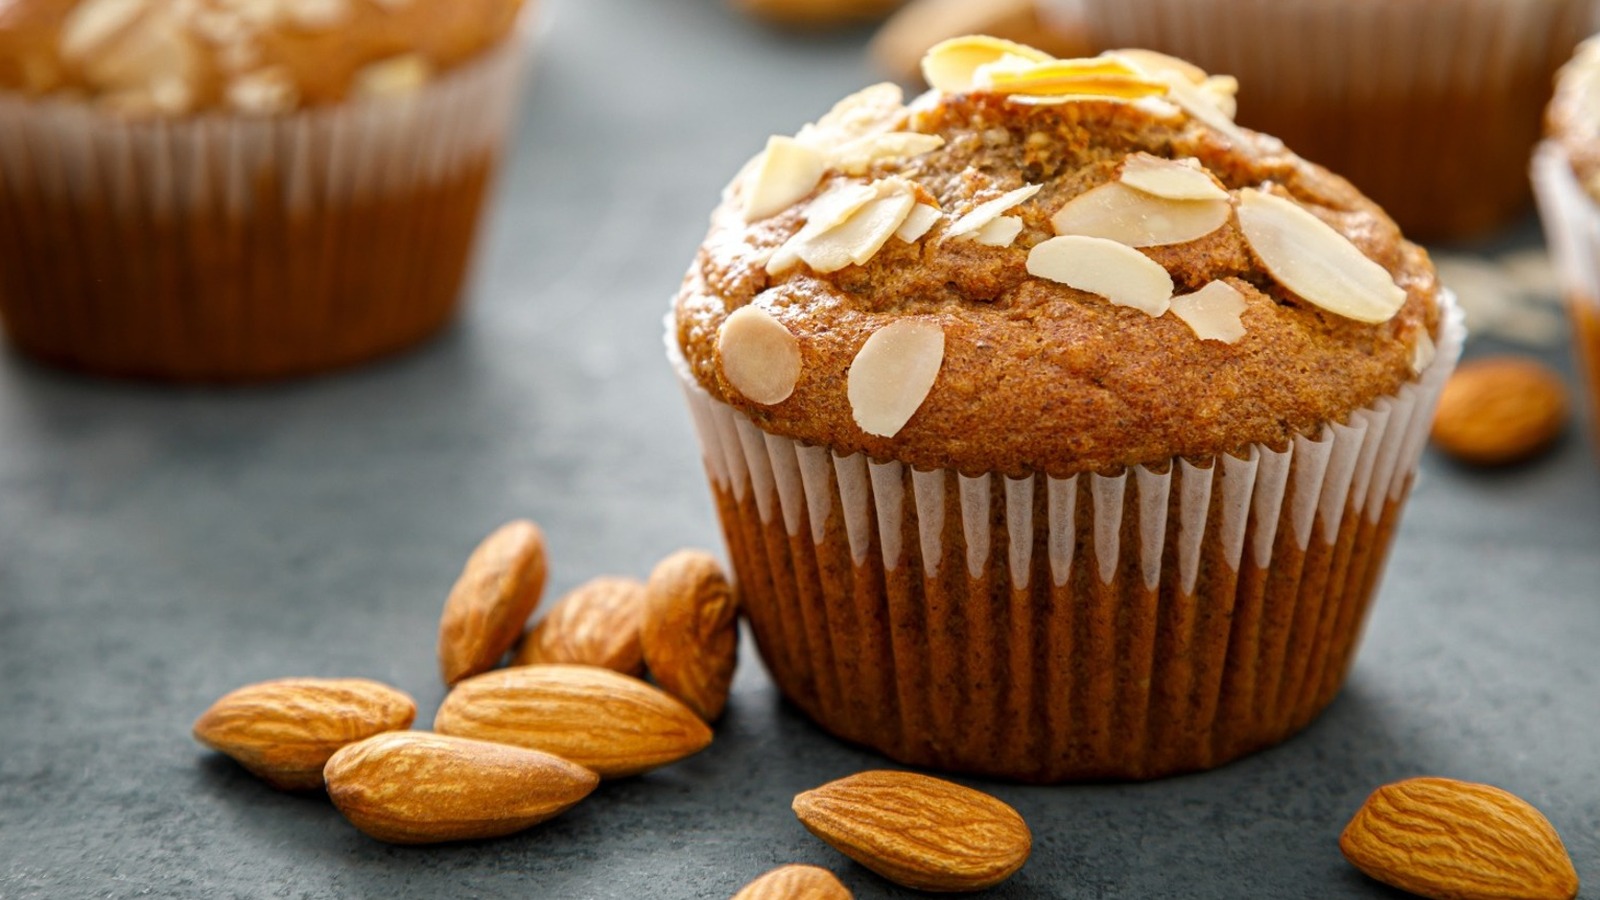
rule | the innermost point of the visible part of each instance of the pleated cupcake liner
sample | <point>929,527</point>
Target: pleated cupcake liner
<point>228,247</point>
<point>1430,108</point>
<point>1043,629</point>
<point>1571,220</point>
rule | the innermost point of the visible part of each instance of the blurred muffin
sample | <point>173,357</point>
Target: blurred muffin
<point>1429,106</point>
<point>243,189</point>
<point>1566,181</point>
<point>1057,426</point>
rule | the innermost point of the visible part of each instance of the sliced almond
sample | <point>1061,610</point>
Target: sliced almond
<point>94,23</point>
<point>1207,107</point>
<point>1422,351</point>
<point>1133,217</point>
<point>759,356</point>
<point>834,207</point>
<point>892,374</point>
<point>921,218</point>
<point>950,65</point>
<point>861,237</point>
<point>1170,179</point>
<point>1307,256</point>
<point>1152,63</point>
<point>393,77</point>
<point>1115,271</point>
<point>1103,76</point>
<point>1213,312</point>
<point>857,156</point>
<point>872,109</point>
<point>984,213</point>
<point>999,232</point>
<point>787,171</point>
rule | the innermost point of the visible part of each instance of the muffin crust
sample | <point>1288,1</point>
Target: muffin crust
<point>1038,376</point>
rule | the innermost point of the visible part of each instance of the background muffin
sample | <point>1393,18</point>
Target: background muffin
<point>1057,425</point>
<point>1429,106</point>
<point>237,189</point>
<point>1566,180</point>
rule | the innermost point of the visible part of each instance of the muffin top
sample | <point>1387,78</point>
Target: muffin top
<point>258,57</point>
<point>1573,117</point>
<point>1051,266</point>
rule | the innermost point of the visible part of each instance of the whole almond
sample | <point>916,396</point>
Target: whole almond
<point>492,600</point>
<point>690,633</point>
<point>917,831</point>
<point>597,624</point>
<point>795,882</point>
<point>597,718</point>
<point>1499,410</point>
<point>411,787</point>
<point>283,731</point>
<point>1455,840</point>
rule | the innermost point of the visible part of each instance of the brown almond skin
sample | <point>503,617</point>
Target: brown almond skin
<point>283,731</point>
<point>491,601</point>
<point>606,721</point>
<point>596,624</point>
<point>690,633</point>
<point>795,882</point>
<point>411,787</point>
<point>917,831</point>
<point>1456,840</point>
<point>1500,410</point>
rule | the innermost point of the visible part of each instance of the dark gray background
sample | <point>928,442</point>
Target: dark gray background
<point>160,547</point>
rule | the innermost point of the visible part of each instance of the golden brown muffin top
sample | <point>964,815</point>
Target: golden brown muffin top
<point>258,57</point>
<point>982,308</point>
<point>1573,117</point>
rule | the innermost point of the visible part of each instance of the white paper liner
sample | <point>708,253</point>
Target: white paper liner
<point>322,155</point>
<point>1281,549</point>
<point>1354,465</point>
<point>1571,220</point>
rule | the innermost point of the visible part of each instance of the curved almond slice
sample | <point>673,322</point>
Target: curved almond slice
<point>918,221</point>
<point>1224,92</point>
<point>1212,312</point>
<point>1207,107</point>
<point>1115,271</point>
<point>999,232</point>
<point>950,65</point>
<point>1307,256</point>
<point>1120,213</point>
<point>759,356</point>
<point>1171,179</point>
<point>987,212</point>
<point>872,109</point>
<point>788,171</point>
<point>855,157</point>
<point>892,374</point>
<point>835,207</point>
<point>860,237</point>
<point>1152,63</point>
<point>1422,351</point>
<point>1067,76</point>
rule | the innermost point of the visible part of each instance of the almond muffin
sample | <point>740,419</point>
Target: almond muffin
<point>243,189</point>
<point>1057,426</point>
<point>1566,181</point>
<point>1430,107</point>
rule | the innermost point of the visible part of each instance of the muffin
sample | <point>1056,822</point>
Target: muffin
<point>1429,106</point>
<point>1566,180</point>
<point>1057,426</point>
<point>225,190</point>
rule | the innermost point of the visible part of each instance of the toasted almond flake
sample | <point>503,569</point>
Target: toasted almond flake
<point>987,212</point>
<point>1172,179</point>
<point>268,91</point>
<point>394,76</point>
<point>1120,213</point>
<point>999,232</point>
<point>1206,107</point>
<point>1422,351</point>
<point>836,206</point>
<point>759,356</point>
<point>1224,91</point>
<point>317,15</point>
<point>1103,76</point>
<point>92,24</point>
<point>1115,271</point>
<point>892,374</point>
<point>1152,63</point>
<point>1307,256</point>
<point>1213,312</point>
<point>787,171</point>
<point>918,221</point>
<point>870,110</point>
<point>855,157</point>
<point>950,65</point>
<point>861,237</point>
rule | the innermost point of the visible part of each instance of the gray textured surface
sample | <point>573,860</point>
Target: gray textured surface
<point>160,547</point>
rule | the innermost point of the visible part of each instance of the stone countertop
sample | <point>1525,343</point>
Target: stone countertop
<point>159,547</point>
